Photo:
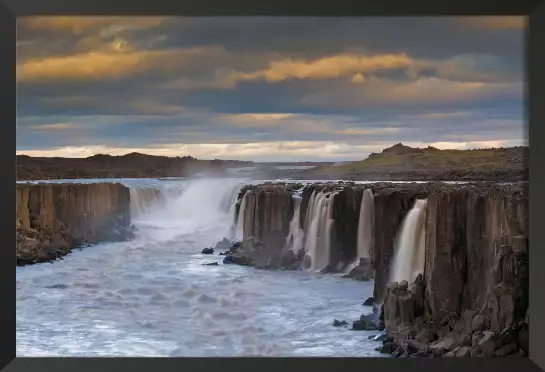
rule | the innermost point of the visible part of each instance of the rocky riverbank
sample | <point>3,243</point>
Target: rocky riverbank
<point>53,219</point>
<point>471,299</point>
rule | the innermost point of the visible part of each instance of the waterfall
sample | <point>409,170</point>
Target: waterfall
<point>143,199</point>
<point>318,238</point>
<point>409,259</point>
<point>239,226</point>
<point>365,224</point>
<point>295,238</point>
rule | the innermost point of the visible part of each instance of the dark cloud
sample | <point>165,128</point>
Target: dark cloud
<point>142,83</point>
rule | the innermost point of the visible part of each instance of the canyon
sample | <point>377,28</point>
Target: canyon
<point>465,292</point>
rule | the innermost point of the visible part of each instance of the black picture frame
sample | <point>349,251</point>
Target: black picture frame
<point>535,79</point>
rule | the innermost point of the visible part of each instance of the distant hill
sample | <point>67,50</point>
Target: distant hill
<point>133,165</point>
<point>401,162</point>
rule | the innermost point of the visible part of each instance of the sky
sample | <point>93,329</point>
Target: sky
<point>267,88</point>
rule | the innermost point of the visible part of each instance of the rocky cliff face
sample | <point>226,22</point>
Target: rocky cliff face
<point>268,212</point>
<point>473,298</point>
<point>52,219</point>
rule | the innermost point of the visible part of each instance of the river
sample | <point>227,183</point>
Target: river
<point>153,295</point>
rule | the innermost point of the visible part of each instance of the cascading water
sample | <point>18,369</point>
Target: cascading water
<point>409,259</point>
<point>365,224</point>
<point>198,205</point>
<point>239,226</point>
<point>318,238</point>
<point>143,199</point>
<point>296,236</point>
<point>365,229</point>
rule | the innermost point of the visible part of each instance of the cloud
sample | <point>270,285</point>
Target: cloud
<point>78,25</point>
<point>494,22</point>
<point>324,68</point>
<point>53,127</point>
<point>265,151</point>
<point>324,85</point>
<point>117,61</point>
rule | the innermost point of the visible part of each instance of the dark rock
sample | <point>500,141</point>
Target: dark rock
<point>463,351</point>
<point>487,344</point>
<point>228,259</point>
<point>380,337</point>
<point>478,323</point>
<point>359,325</point>
<point>369,302</point>
<point>208,251</point>
<point>506,350</point>
<point>212,264</point>
<point>339,323</point>
<point>223,253</point>
<point>414,346</point>
<point>222,245</point>
<point>523,341</point>
<point>389,348</point>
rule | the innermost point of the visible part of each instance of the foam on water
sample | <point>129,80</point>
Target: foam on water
<point>153,296</point>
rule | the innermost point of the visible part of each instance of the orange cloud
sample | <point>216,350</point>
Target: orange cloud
<point>494,22</point>
<point>324,68</point>
<point>113,62</point>
<point>77,25</point>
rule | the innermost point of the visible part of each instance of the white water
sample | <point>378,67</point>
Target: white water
<point>153,296</point>
<point>143,200</point>
<point>365,224</point>
<point>409,259</point>
<point>239,227</point>
<point>320,224</point>
<point>296,236</point>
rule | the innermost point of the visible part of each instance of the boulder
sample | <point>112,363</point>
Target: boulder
<point>208,251</point>
<point>339,323</point>
<point>369,302</point>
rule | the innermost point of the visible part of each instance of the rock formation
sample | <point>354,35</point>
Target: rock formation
<point>473,297</point>
<point>52,219</point>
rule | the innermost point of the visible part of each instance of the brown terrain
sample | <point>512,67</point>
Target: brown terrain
<point>396,163</point>
<point>133,165</point>
<point>401,162</point>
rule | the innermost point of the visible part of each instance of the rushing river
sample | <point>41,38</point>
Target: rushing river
<point>153,296</point>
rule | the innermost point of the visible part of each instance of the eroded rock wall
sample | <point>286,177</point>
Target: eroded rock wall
<point>51,219</point>
<point>267,216</point>
<point>474,293</point>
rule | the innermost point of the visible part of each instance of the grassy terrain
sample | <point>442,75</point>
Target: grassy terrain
<point>400,159</point>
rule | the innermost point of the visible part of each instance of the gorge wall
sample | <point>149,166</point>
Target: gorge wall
<point>52,219</point>
<point>474,288</point>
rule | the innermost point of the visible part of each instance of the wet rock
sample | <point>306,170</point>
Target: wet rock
<point>369,302</point>
<point>359,325</point>
<point>212,264</point>
<point>477,323</point>
<point>380,337</point>
<point>287,258</point>
<point>414,346</point>
<point>339,323</point>
<point>463,351</point>
<point>222,245</point>
<point>228,259</point>
<point>506,350</point>
<point>389,348</point>
<point>223,253</point>
<point>208,251</point>
<point>487,344</point>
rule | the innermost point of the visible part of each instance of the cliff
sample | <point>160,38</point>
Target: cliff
<point>472,297</point>
<point>52,219</point>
